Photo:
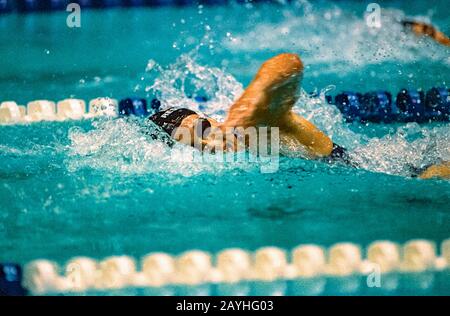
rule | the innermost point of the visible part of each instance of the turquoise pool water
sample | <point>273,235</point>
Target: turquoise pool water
<point>98,189</point>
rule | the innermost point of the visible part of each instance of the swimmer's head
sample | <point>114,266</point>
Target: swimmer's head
<point>420,28</point>
<point>184,125</point>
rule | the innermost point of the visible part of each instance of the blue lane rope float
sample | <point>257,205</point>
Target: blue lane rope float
<point>410,106</point>
<point>11,280</point>
<point>267,265</point>
<point>25,6</point>
<point>349,103</point>
<point>5,6</point>
<point>155,105</point>
<point>438,100</point>
<point>133,106</point>
<point>378,107</point>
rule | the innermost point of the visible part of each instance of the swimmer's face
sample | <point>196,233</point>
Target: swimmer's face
<point>201,132</point>
<point>194,130</point>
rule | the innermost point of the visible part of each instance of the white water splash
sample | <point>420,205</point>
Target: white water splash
<point>411,147</point>
<point>123,145</point>
<point>342,41</point>
<point>176,84</point>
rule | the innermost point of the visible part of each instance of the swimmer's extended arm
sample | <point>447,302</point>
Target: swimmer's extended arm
<point>269,99</point>
<point>437,171</point>
<point>423,29</point>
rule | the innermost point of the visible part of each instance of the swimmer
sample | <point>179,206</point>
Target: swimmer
<point>437,171</point>
<point>267,101</point>
<point>423,29</point>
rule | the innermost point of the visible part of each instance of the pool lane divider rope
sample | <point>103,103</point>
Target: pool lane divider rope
<point>29,6</point>
<point>377,107</point>
<point>409,106</point>
<point>73,109</point>
<point>230,266</point>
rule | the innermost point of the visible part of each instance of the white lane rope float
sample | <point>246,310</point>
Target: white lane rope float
<point>45,110</point>
<point>231,266</point>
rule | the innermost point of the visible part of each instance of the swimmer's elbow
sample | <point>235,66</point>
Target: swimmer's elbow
<point>322,147</point>
<point>286,64</point>
<point>295,60</point>
<point>318,143</point>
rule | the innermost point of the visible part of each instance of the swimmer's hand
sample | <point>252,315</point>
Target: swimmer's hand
<point>437,171</point>
<point>424,29</point>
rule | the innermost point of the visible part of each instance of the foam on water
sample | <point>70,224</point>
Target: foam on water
<point>121,145</point>
<point>412,146</point>
<point>176,84</point>
<point>339,39</point>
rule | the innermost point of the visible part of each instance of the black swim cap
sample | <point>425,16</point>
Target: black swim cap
<point>340,154</point>
<point>171,118</point>
<point>408,23</point>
